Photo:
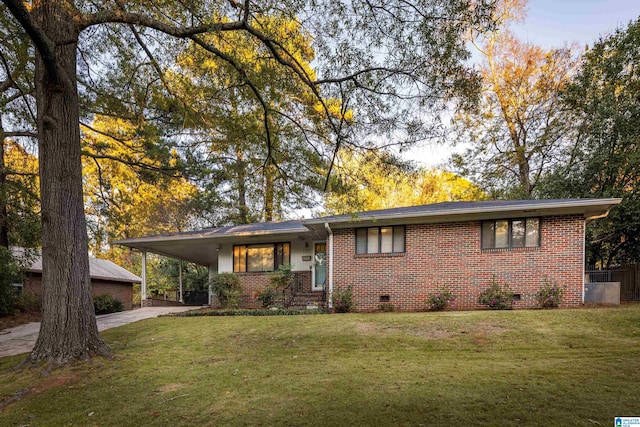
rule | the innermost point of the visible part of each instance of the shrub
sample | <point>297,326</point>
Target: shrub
<point>441,301</point>
<point>10,274</point>
<point>386,307</point>
<point>343,300</point>
<point>269,297</point>
<point>228,289</point>
<point>550,296</point>
<point>28,302</point>
<point>104,304</point>
<point>280,278</point>
<point>497,296</point>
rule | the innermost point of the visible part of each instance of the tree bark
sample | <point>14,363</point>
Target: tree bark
<point>68,330</point>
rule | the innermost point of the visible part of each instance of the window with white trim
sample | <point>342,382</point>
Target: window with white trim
<point>511,233</point>
<point>380,240</point>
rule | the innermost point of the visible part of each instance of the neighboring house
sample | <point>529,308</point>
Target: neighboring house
<point>399,256</point>
<point>106,278</point>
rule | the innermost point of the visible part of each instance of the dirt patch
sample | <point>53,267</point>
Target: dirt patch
<point>18,319</point>
<point>168,388</point>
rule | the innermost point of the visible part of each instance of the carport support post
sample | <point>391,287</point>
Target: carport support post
<point>180,280</point>
<point>143,287</point>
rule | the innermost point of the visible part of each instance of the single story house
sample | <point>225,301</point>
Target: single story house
<point>106,278</point>
<point>399,256</point>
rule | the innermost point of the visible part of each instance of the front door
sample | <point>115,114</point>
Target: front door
<point>319,265</point>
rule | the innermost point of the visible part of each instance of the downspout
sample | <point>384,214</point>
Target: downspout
<point>584,255</point>
<point>330,234</point>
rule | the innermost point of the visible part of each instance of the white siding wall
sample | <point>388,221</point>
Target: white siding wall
<point>299,248</point>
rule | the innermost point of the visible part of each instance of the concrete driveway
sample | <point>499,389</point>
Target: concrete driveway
<point>22,338</point>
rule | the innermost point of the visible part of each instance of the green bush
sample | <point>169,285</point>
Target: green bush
<point>10,274</point>
<point>281,278</point>
<point>228,289</point>
<point>343,300</point>
<point>105,304</point>
<point>28,302</point>
<point>441,301</point>
<point>550,296</point>
<point>497,296</point>
<point>269,297</point>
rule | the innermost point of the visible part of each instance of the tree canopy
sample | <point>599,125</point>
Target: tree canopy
<point>604,158</point>
<point>391,64</point>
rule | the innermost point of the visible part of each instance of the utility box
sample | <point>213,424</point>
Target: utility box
<point>602,292</point>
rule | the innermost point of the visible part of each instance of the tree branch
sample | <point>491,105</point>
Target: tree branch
<point>122,17</point>
<point>43,44</point>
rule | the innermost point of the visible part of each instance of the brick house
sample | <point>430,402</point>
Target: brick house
<point>399,256</point>
<point>106,278</point>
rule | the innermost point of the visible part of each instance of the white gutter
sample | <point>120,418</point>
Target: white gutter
<point>330,233</point>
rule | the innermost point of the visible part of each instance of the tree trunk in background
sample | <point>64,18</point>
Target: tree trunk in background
<point>243,210</point>
<point>4,214</point>
<point>269,190</point>
<point>68,330</point>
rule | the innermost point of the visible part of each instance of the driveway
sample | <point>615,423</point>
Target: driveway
<point>22,338</point>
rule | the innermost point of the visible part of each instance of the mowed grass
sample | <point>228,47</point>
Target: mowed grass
<point>539,367</point>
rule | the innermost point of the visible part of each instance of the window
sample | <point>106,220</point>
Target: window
<point>266,257</point>
<point>18,288</point>
<point>380,240</point>
<point>511,233</point>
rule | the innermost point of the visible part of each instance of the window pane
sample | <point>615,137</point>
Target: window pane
<point>239,259</point>
<point>517,234</point>
<point>502,234</point>
<point>260,257</point>
<point>372,240</point>
<point>286,254</point>
<point>386,240</point>
<point>533,232</point>
<point>488,236</point>
<point>361,241</point>
<point>398,238</point>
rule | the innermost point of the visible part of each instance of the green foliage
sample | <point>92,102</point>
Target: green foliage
<point>10,274</point>
<point>441,300</point>
<point>343,300</point>
<point>28,302</point>
<point>281,278</point>
<point>269,297</point>
<point>497,296</point>
<point>228,288</point>
<point>604,158</point>
<point>105,304</point>
<point>550,296</point>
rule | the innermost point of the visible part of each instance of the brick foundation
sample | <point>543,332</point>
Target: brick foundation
<point>449,254</point>
<point>252,283</point>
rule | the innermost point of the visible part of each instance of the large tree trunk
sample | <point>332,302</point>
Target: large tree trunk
<point>68,330</point>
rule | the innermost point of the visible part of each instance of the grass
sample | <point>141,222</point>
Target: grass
<point>537,367</point>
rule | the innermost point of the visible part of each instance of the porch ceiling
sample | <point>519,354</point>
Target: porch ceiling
<point>201,247</point>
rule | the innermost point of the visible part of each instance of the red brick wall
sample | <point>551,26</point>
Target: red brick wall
<point>118,290</point>
<point>253,283</point>
<point>449,254</point>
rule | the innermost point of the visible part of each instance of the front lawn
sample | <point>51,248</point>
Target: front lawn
<point>535,367</point>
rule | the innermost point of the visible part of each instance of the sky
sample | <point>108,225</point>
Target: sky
<point>550,24</point>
